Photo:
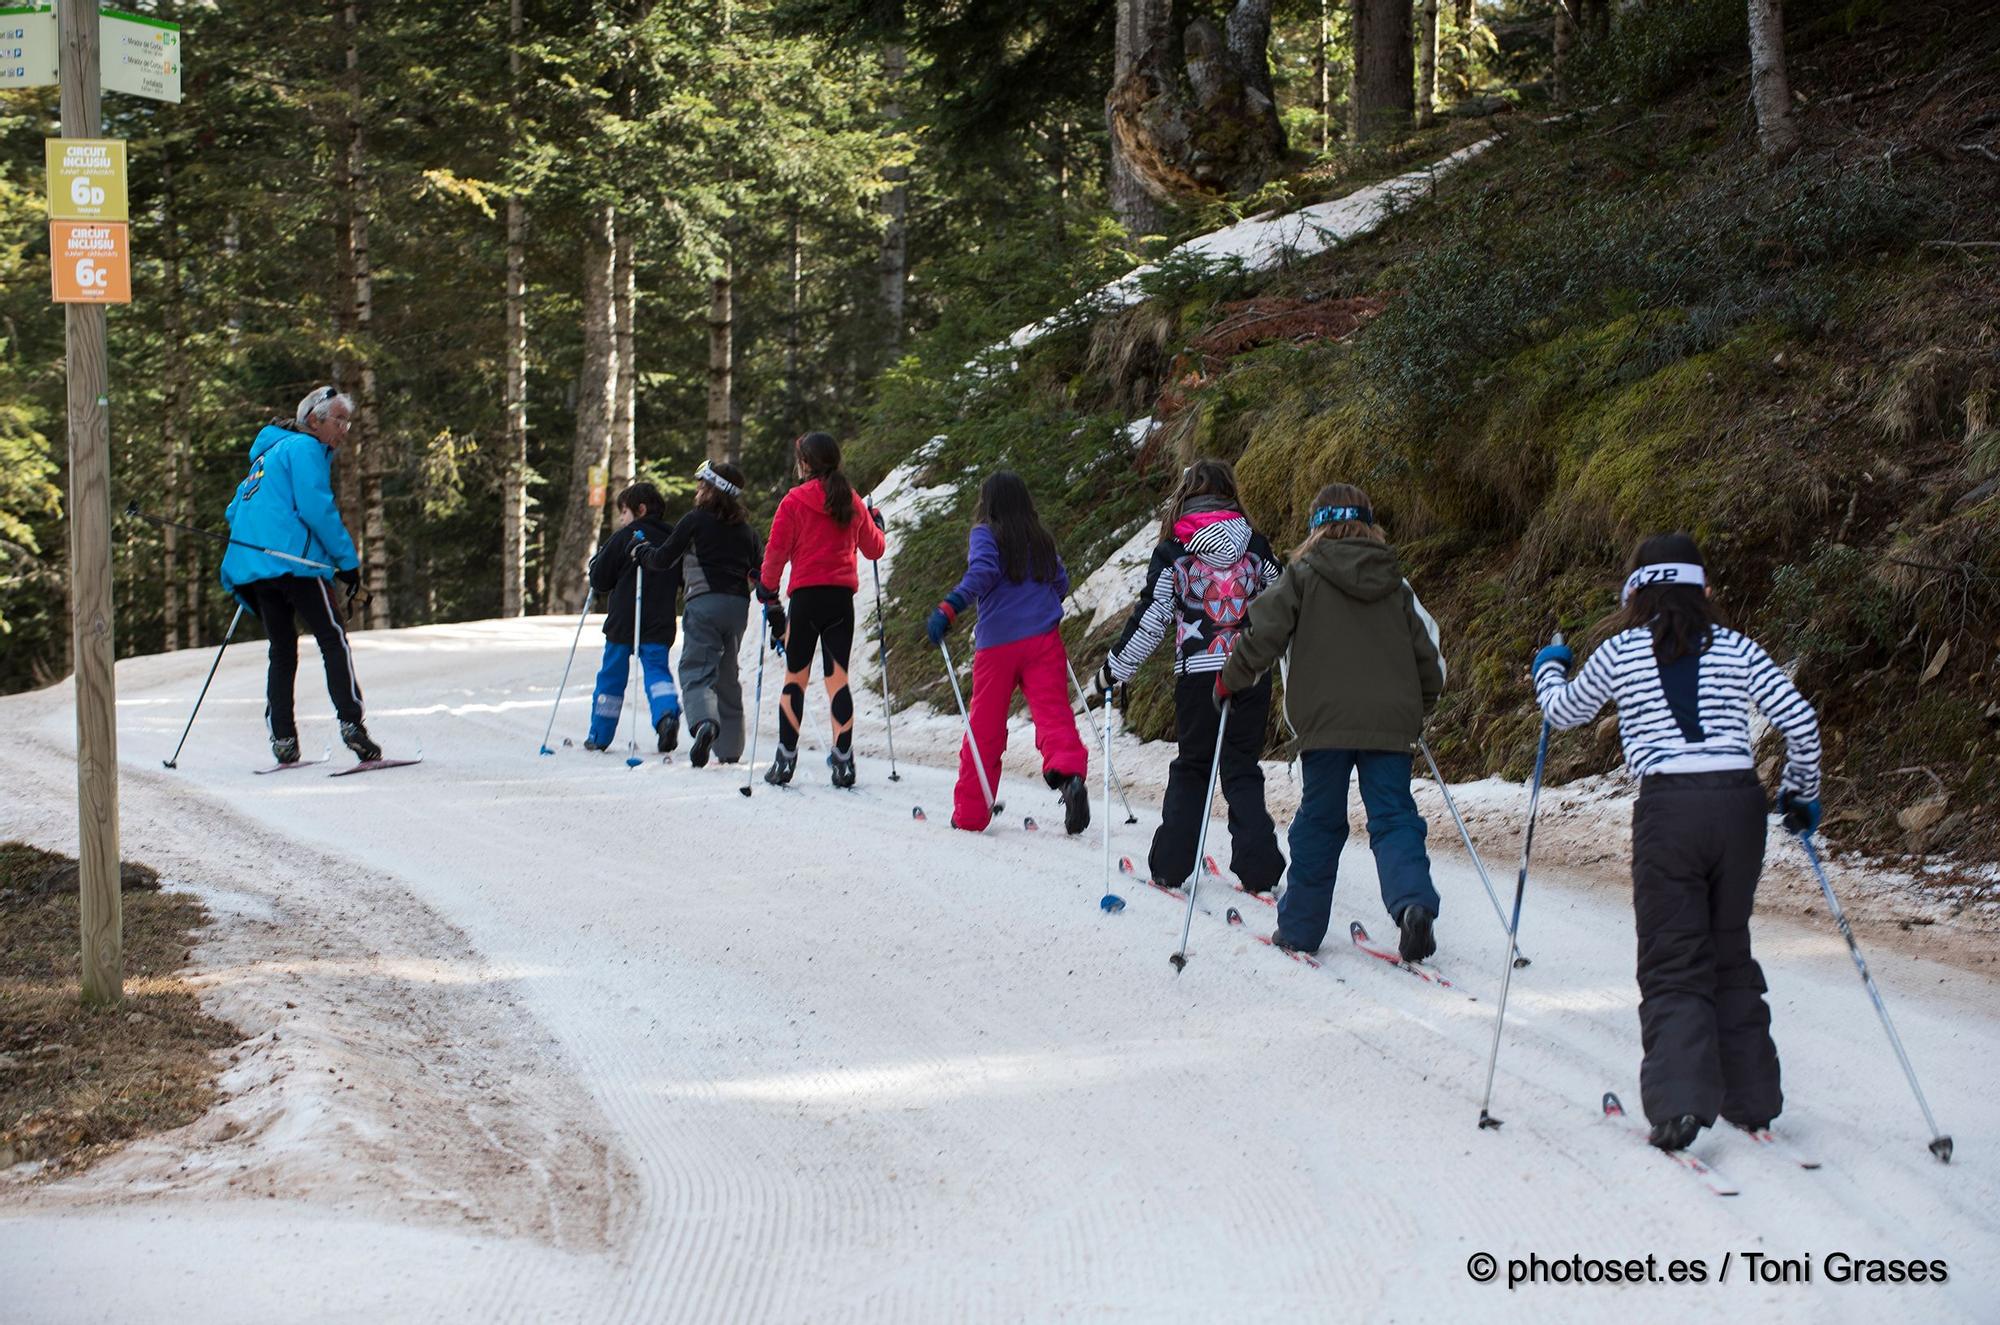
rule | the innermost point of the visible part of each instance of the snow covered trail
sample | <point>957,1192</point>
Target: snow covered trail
<point>682,1055</point>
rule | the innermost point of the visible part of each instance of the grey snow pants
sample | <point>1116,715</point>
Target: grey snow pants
<point>712,627</point>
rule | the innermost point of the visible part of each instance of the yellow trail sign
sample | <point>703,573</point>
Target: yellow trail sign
<point>86,179</point>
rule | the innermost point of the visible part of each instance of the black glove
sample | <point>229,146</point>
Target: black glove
<point>1105,680</point>
<point>881,521</point>
<point>774,618</point>
<point>350,578</point>
<point>1800,815</point>
<point>638,552</point>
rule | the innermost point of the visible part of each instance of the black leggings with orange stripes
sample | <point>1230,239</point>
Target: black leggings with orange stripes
<point>820,617</point>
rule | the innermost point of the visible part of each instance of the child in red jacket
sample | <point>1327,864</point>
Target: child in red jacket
<point>818,528</point>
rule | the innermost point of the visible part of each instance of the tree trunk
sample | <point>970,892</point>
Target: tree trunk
<point>365,450</point>
<point>894,269</point>
<point>597,388</point>
<point>624,426</point>
<point>1380,93</point>
<point>1140,24</point>
<point>514,477</point>
<point>1248,28</point>
<point>1770,91</point>
<point>172,435</point>
<point>1427,64</point>
<point>795,403</point>
<point>1565,44</point>
<point>721,357</point>
<point>1322,76</point>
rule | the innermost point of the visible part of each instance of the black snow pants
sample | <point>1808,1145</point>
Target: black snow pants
<point>283,603</point>
<point>1254,855</point>
<point>1697,853</point>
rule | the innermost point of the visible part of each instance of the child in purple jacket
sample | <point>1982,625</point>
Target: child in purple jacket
<point>1014,575</point>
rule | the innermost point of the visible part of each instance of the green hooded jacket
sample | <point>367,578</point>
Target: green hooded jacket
<point>1364,668</point>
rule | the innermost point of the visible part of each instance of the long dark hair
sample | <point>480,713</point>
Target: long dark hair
<point>1203,478</point>
<point>724,506</point>
<point>821,456</point>
<point>644,501</point>
<point>1027,549</point>
<point>1682,617</point>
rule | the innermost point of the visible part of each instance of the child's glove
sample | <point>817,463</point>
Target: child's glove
<point>1800,815</point>
<point>1556,653</point>
<point>1221,694</point>
<point>774,618</point>
<point>1106,682</point>
<point>881,521</point>
<point>943,617</point>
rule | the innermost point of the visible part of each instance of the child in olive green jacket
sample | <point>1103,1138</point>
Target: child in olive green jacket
<point>1364,671</point>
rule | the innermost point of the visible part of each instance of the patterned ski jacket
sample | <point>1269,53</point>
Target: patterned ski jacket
<point>1199,584</point>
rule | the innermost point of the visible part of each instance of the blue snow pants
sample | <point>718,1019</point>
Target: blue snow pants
<point>1395,834</point>
<point>615,675</point>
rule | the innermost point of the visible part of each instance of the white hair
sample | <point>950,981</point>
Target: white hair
<point>318,401</point>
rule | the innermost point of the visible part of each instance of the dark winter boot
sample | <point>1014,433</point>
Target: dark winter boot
<point>1416,943</point>
<point>1283,944</point>
<point>1076,804</point>
<point>355,737</point>
<point>285,749</point>
<point>1676,1133</point>
<point>589,744</point>
<point>1259,887</point>
<point>842,764</point>
<point>782,764</point>
<point>704,737</point>
<point>669,732</point>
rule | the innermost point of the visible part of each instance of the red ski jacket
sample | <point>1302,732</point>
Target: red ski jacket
<point>821,551</point>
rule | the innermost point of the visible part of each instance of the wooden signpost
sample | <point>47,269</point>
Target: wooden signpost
<point>90,519</point>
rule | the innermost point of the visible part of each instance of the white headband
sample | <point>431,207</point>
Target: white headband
<point>1662,572</point>
<point>707,475</point>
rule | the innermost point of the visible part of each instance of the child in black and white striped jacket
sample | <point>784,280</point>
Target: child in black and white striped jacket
<point>1684,683</point>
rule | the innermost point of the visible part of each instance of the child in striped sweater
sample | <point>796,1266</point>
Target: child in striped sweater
<point>1684,683</point>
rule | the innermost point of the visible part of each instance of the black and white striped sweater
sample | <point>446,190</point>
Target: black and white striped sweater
<point>1708,730</point>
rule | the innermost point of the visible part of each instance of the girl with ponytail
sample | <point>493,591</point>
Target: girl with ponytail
<point>817,531</point>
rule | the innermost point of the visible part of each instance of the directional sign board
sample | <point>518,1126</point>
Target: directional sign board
<point>90,262</point>
<point>27,45</point>
<point>86,178</point>
<point>140,55</point>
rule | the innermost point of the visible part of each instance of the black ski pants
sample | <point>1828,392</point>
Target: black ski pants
<point>1697,853</point>
<point>1254,855</point>
<point>282,603</point>
<point>821,617</point>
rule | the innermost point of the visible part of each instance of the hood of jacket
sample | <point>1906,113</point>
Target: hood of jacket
<point>269,436</point>
<point>1359,567</point>
<point>1218,537</point>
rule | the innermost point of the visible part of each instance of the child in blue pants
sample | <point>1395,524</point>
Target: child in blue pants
<point>1365,672</point>
<point>641,512</point>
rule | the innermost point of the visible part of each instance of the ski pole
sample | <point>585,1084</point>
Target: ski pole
<point>227,636</point>
<point>564,683</point>
<point>1486,1119</point>
<point>1471,850</point>
<point>133,509</point>
<point>882,652</point>
<point>632,759</point>
<point>757,707</point>
<point>1130,817</point>
<point>1110,901</point>
<point>1940,1143</point>
<point>1179,959</point>
<point>978,764</point>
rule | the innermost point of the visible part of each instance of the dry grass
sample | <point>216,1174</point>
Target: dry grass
<point>77,1082</point>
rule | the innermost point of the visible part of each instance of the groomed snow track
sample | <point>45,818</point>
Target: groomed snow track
<point>550,1039</point>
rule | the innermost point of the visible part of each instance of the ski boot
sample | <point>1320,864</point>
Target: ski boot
<point>842,764</point>
<point>782,764</point>
<point>593,746</point>
<point>1076,804</point>
<point>355,737</point>
<point>669,732</point>
<point>1282,944</point>
<point>285,749</point>
<point>705,733</point>
<point>1416,943</point>
<point>1675,1133</point>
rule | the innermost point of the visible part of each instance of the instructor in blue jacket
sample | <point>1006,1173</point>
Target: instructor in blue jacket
<point>286,504</point>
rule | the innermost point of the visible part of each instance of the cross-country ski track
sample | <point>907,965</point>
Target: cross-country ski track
<point>544,1038</point>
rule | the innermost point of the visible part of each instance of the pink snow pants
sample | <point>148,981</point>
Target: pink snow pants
<point>1039,667</point>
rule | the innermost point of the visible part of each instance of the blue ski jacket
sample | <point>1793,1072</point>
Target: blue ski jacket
<point>285,504</point>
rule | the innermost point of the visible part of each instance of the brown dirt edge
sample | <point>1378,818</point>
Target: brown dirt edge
<point>78,1083</point>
